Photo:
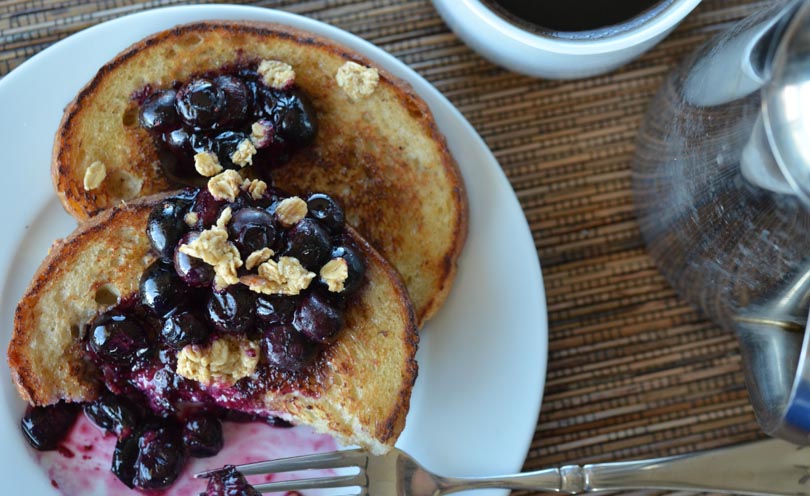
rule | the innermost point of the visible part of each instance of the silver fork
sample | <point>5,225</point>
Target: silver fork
<point>761,468</point>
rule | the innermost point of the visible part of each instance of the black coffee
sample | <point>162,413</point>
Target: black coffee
<point>571,15</point>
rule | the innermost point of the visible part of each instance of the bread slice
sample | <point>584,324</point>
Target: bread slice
<point>359,391</point>
<point>382,156</point>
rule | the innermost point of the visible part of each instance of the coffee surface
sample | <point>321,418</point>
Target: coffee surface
<point>571,15</point>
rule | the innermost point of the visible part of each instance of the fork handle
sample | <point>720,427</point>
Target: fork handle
<point>771,467</point>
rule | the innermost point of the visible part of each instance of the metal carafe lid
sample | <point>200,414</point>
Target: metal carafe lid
<point>786,100</point>
<point>776,357</point>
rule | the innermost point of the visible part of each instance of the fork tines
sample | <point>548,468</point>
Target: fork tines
<point>335,459</point>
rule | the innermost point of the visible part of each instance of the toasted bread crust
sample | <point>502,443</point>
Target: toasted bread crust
<point>360,393</point>
<point>46,361</point>
<point>382,157</point>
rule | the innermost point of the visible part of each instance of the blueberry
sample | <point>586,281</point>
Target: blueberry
<point>125,455</point>
<point>176,159</point>
<point>269,199</point>
<point>252,229</point>
<point>187,195</point>
<point>199,143</point>
<point>270,103</point>
<point>178,141</point>
<point>254,92</point>
<point>275,309</point>
<point>356,265</point>
<point>117,338</point>
<point>237,100</point>
<point>158,112</point>
<point>113,413</point>
<point>200,103</point>
<point>192,270</point>
<point>166,226</point>
<point>309,243</point>
<point>286,348</point>
<point>202,435</point>
<point>232,310</point>
<point>160,457</point>
<point>318,318</point>
<point>161,289</point>
<point>326,210</point>
<point>224,144</point>
<point>229,482</point>
<point>45,426</point>
<point>297,124</point>
<point>182,328</point>
<point>207,208</point>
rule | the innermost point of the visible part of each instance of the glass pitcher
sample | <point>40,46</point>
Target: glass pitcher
<point>721,183</point>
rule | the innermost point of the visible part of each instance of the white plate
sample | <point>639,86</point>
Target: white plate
<point>482,358</point>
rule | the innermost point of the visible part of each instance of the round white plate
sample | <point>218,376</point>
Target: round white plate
<point>482,358</point>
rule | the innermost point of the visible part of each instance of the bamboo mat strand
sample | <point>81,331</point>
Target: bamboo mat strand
<point>633,371</point>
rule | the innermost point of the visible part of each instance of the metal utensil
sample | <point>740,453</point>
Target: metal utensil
<point>762,468</point>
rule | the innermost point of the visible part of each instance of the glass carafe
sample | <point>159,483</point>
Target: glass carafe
<point>723,196</point>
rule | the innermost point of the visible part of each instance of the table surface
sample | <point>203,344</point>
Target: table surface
<point>633,370</point>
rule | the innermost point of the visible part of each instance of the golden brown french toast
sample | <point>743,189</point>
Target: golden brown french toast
<point>358,390</point>
<point>380,154</point>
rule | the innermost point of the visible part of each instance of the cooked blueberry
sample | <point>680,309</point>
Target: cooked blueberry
<point>232,310</point>
<point>286,348</point>
<point>200,103</point>
<point>192,270</point>
<point>113,413</point>
<point>325,210</point>
<point>229,482</point>
<point>275,309</point>
<point>199,142</point>
<point>318,318</point>
<point>125,455</point>
<point>45,426</point>
<point>166,226</point>
<point>356,264</point>
<point>271,197</point>
<point>187,195</point>
<point>160,457</point>
<point>251,80</point>
<point>270,103</point>
<point>117,338</point>
<point>237,100</point>
<point>178,166</point>
<point>178,141</point>
<point>224,144</point>
<point>240,416</point>
<point>252,229</point>
<point>297,124</point>
<point>161,289</point>
<point>309,243</point>
<point>158,112</point>
<point>202,435</point>
<point>184,327</point>
<point>207,208</point>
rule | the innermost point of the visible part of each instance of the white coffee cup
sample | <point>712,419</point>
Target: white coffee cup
<point>565,55</point>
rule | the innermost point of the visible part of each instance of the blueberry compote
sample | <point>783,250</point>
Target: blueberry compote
<point>229,482</point>
<point>217,111</point>
<point>159,415</point>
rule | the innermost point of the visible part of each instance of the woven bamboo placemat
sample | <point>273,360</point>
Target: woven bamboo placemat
<point>633,371</point>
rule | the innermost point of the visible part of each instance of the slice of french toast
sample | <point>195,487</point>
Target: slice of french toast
<point>358,391</point>
<point>380,155</point>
